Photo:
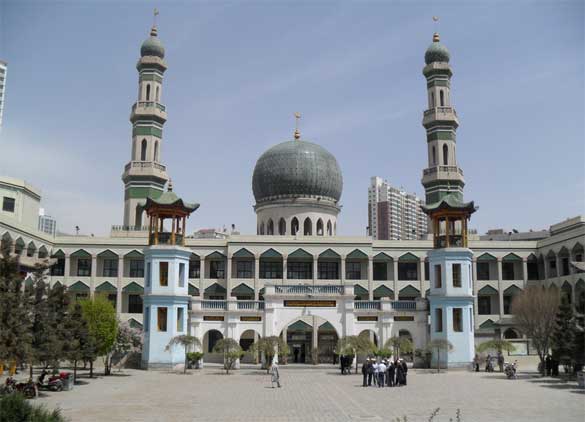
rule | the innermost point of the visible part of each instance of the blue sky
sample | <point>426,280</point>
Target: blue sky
<point>239,70</point>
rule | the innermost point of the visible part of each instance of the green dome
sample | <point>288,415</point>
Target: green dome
<point>297,169</point>
<point>436,52</point>
<point>152,46</point>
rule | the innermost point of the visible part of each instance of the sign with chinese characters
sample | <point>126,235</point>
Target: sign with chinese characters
<point>212,318</point>
<point>310,303</point>
<point>250,318</point>
<point>403,318</point>
<point>367,318</point>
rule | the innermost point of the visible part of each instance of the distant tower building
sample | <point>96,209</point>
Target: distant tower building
<point>450,262</point>
<point>144,176</point>
<point>394,214</point>
<point>47,224</point>
<point>166,287</point>
<point>3,72</point>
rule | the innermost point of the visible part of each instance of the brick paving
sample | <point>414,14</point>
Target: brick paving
<point>317,394</point>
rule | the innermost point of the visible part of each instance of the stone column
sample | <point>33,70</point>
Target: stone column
<point>395,269</point>
<point>342,269</point>
<point>315,344</point>
<point>421,275</point>
<point>525,271</point>
<point>475,289</point>
<point>119,284</point>
<point>370,278</point>
<point>256,276</point>
<point>67,270</point>
<point>284,270</point>
<point>546,268</point>
<point>201,276</point>
<point>559,265</point>
<point>315,269</point>
<point>93,275</point>
<point>228,277</point>
<point>500,288</point>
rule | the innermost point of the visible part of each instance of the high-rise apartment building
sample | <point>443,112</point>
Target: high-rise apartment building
<point>3,71</point>
<point>394,214</point>
<point>47,224</point>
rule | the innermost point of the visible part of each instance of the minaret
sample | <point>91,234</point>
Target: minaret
<point>451,289</point>
<point>166,287</point>
<point>144,176</point>
<point>442,176</point>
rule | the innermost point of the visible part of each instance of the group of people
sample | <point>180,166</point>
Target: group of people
<point>489,365</point>
<point>386,372</point>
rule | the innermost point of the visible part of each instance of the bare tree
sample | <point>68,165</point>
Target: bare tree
<point>185,341</point>
<point>535,311</point>
<point>436,346</point>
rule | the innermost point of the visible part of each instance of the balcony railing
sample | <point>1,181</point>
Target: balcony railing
<point>448,169</point>
<point>404,305</point>
<point>148,104</point>
<point>309,290</point>
<point>367,304</point>
<point>144,165</point>
<point>253,305</point>
<point>214,304</point>
<point>117,228</point>
<point>165,238</point>
<point>440,110</point>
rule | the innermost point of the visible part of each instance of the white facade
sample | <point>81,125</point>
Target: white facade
<point>393,213</point>
<point>19,201</point>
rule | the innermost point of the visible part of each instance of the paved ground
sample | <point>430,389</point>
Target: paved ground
<point>317,394</point>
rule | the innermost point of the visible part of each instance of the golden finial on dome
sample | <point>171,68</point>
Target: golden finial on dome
<point>297,132</point>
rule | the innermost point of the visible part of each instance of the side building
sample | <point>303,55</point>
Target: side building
<point>394,214</point>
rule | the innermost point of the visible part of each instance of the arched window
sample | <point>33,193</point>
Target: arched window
<point>282,227</point>
<point>335,229</point>
<point>329,228</point>
<point>156,151</point>
<point>308,227</point>
<point>270,227</point>
<point>157,94</point>
<point>432,100</point>
<point>445,155</point>
<point>147,92</point>
<point>320,227</point>
<point>138,219</point>
<point>434,156</point>
<point>510,333</point>
<point>294,226</point>
<point>442,96</point>
<point>143,151</point>
<point>262,227</point>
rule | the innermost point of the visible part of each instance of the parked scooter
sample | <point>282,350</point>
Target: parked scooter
<point>510,370</point>
<point>53,383</point>
<point>489,366</point>
<point>28,388</point>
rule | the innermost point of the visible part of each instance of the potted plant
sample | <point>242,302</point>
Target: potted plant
<point>195,359</point>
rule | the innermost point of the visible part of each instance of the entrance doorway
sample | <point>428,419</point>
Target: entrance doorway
<point>300,339</point>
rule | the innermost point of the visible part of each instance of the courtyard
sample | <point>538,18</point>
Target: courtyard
<point>316,394</point>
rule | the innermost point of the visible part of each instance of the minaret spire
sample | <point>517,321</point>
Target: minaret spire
<point>297,132</point>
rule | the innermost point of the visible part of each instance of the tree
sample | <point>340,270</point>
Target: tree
<point>498,345</point>
<point>535,311</point>
<point>128,340</point>
<point>400,345</point>
<point>79,345</point>
<point>231,351</point>
<point>15,312</point>
<point>564,335</point>
<point>354,345</point>
<point>186,342</point>
<point>102,324</point>
<point>437,345</point>
<point>269,346</point>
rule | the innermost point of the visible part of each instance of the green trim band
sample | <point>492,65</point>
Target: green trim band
<point>146,131</point>
<point>142,192</point>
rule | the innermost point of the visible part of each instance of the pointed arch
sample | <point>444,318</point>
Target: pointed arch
<point>432,99</point>
<point>147,92</point>
<point>308,227</point>
<point>262,228</point>
<point>434,156</point>
<point>445,155</point>
<point>329,228</point>
<point>43,252</point>
<point>294,226</point>
<point>442,97</point>
<point>320,231</point>
<point>157,97</point>
<point>156,151</point>
<point>281,227</point>
<point>31,249</point>
<point>270,227</point>
<point>143,147</point>
<point>577,252</point>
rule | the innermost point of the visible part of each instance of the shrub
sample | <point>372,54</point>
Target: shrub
<point>14,407</point>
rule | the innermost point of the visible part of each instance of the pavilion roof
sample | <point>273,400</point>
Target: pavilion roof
<point>450,202</point>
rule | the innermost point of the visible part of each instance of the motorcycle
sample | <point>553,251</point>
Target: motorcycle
<point>510,370</point>
<point>28,388</point>
<point>489,366</point>
<point>54,383</point>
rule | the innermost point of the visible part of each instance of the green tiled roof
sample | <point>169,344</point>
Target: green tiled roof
<point>383,291</point>
<point>134,254</point>
<point>215,255</point>
<point>487,290</point>
<point>243,253</point>
<point>193,291</point>
<point>106,287</point>
<point>486,257</point>
<point>299,326</point>
<point>326,326</point>
<point>58,254</point>
<point>215,289</point>
<point>271,253</point>
<point>81,254</point>
<point>79,287</point>
<point>357,254</point>
<point>409,291</point>
<point>300,253</point>
<point>133,288</point>
<point>382,257</point>
<point>408,257</point>
<point>359,290</point>
<point>512,257</point>
<point>108,254</point>
<point>242,289</point>
<point>450,201</point>
<point>488,324</point>
<point>134,324</point>
<point>329,254</point>
<point>513,290</point>
<point>170,198</point>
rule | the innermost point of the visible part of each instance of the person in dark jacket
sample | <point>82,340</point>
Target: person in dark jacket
<point>370,372</point>
<point>365,373</point>
<point>404,370</point>
<point>399,375</point>
<point>391,374</point>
